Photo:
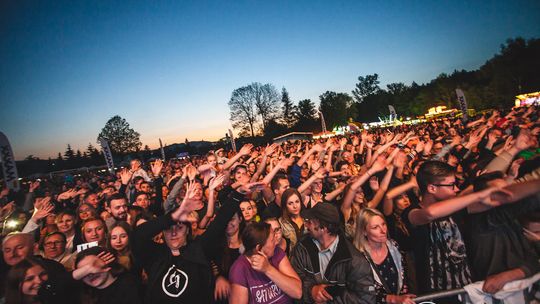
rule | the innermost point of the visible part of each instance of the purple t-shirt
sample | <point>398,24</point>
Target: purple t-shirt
<point>261,289</point>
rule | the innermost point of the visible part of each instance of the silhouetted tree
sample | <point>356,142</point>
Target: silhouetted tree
<point>337,108</point>
<point>121,138</point>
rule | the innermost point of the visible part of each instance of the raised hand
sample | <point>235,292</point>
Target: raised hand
<point>156,167</point>
<point>269,150</point>
<point>400,160</point>
<point>106,257</point>
<point>315,166</point>
<point>524,140</point>
<point>216,182</point>
<point>246,149</point>
<point>67,195</point>
<point>42,208</point>
<point>251,187</point>
<point>286,163</point>
<point>33,186</point>
<point>125,176</point>
<point>321,173</point>
<point>494,196</point>
<point>379,164</point>
<point>191,172</point>
<point>318,148</point>
<point>374,183</point>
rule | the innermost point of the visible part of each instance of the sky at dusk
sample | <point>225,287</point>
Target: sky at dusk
<point>169,67</point>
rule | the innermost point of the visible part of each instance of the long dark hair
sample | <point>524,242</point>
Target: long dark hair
<point>284,198</point>
<point>15,278</point>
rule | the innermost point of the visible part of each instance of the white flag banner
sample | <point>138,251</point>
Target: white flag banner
<point>393,114</point>
<point>462,103</point>
<point>107,154</point>
<point>162,151</point>
<point>9,168</point>
<point>233,144</point>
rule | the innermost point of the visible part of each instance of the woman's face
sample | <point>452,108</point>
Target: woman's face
<point>294,205</point>
<point>119,238</point>
<point>376,230</point>
<point>252,167</point>
<point>65,224</point>
<point>33,279</point>
<point>247,210</point>
<point>359,196</point>
<point>84,212</point>
<point>94,231</point>
<point>95,279</point>
<point>241,175</point>
<point>234,225</point>
<point>198,192</point>
<point>402,202</point>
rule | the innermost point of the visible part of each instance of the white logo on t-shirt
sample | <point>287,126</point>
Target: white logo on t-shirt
<point>174,282</point>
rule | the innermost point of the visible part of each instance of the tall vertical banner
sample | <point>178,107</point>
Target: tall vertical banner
<point>462,103</point>
<point>107,154</point>
<point>162,151</point>
<point>233,144</point>
<point>393,114</point>
<point>9,168</point>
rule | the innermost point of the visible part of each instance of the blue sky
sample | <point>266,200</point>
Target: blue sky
<point>169,67</point>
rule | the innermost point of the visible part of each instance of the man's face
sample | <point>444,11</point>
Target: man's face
<point>16,249</point>
<point>145,187</point>
<point>313,228</point>
<point>176,236</point>
<point>283,185</point>
<point>118,209</point>
<point>54,246</point>
<point>142,201</point>
<point>445,189</point>
<point>94,279</point>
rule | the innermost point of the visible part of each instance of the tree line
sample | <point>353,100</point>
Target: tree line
<point>259,109</point>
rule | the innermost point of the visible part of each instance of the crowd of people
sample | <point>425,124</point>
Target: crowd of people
<point>377,216</point>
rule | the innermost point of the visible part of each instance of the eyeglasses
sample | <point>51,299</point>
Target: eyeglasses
<point>454,184</point>
<point>53,244</point>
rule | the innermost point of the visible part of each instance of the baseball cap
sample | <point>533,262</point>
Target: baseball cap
<point>322,211</point>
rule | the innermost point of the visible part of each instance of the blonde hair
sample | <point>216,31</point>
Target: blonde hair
<point>364,216</point>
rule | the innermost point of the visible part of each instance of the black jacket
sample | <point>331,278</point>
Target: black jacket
<point>348,268</point>
<point>186,278</point>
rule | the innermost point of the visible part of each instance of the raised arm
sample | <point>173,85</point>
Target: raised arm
<point>444,208</point>
<point>262,164</point>
<point>245,150</point>
<point>383,187</point>
<point>321,173</point>
<point>214,183</point>
<point>346,206</point>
